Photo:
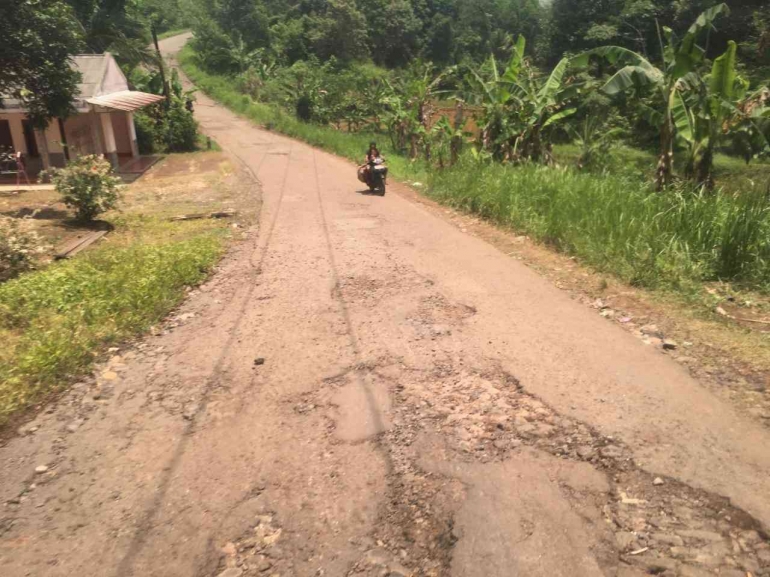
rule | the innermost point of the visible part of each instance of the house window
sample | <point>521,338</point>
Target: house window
<point>6,140</point>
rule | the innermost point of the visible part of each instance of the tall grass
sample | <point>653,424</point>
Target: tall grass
<point>614,222</point>
<point>618,224</point>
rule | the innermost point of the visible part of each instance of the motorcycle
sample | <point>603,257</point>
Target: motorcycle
<point>377,175</point>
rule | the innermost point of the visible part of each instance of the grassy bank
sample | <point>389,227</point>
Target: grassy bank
<point>54,322</point>
<point>614,222</point>
<point>673,240</point>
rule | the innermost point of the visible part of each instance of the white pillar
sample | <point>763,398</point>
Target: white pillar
<point>17,133</point>
<point>110,148</point>
<point>132,134</point>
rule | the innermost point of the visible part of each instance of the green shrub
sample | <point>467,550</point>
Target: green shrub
<point>18,247</point>
<point>88,185</point>
<point>180,130</point>
<point>146,133</point>
<point>304,108</point>
<point>169,128</point>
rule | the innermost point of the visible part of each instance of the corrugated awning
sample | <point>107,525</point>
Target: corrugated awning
<point>125,100</point>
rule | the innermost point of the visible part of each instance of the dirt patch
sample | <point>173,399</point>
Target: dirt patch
<point>437,309</point>
<point>180,165</point>
<point>369,289</point>
<point>658,524</point>
<point>179,184</point>
<point>455,430</point>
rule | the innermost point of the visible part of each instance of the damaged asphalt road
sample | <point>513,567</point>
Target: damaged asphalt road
<point>423,406</point>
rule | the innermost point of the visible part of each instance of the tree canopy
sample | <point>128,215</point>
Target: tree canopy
<point>39,36</point>
<point>394,32</point>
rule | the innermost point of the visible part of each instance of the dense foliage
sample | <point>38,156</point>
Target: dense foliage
<point>41,36</point>
<point>394,32</point>
<point>687,93</point>
<point>38,36</point>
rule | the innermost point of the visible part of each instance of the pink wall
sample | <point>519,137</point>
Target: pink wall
<point>120,128</point>
<point>80,138</point>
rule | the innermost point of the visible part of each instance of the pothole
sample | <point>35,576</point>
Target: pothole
<point>369,289</point>
<point>656,525</point>
<point>660,526</point>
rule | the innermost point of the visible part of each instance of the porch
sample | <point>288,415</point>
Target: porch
<point>129,168</point>
<point>99,131</point>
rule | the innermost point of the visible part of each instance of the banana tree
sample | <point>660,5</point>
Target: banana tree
<point>519,106</point>
<point>448,138</point>
<point>422,90</point>
<point>594,138</point>
<point>397,118</point>
<point>541,105</point>
<point>409,107</point>
<point>702,116</point>
<point>486,89</point>
<point>704,108</point>
<point>750,131</point>
<point>680,58</point>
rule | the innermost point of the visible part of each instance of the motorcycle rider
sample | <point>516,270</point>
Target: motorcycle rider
<point>371,155</point>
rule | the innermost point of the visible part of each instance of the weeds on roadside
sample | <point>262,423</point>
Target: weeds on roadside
<point>618,224</point>
<point>53,322</point>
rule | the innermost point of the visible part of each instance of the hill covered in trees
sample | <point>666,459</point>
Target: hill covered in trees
<point>394,32</point>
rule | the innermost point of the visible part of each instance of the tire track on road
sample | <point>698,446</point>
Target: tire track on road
<point>144,527</point>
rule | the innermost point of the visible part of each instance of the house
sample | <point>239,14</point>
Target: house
<point>104,123</point>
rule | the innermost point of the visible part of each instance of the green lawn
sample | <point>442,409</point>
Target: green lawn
<point>54,322</point>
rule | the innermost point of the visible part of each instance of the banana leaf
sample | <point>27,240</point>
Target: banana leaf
<point>632,77</point>
<point>561,115</point>
<point>554,82</point>
<point>513,70</point>
<point>683,118</point>
<point>689,54</point>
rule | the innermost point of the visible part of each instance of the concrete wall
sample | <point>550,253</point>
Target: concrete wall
<point>80,137</point>
<point>82,133</point>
